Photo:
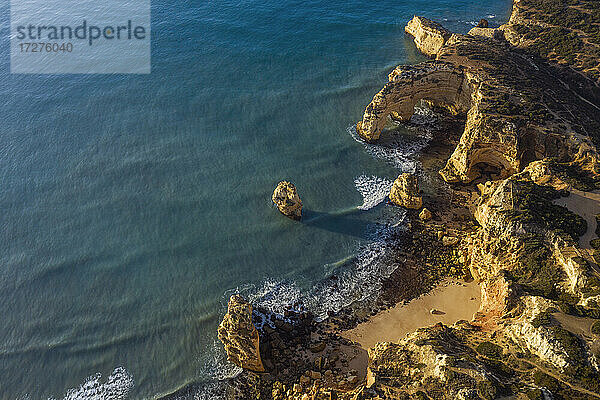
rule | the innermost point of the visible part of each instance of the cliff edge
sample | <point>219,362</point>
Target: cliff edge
<point>525,96</point>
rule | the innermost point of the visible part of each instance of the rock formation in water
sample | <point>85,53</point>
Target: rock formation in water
<point>287,200</point>
<point>240,336</point>
<point>405,192</point>
<point>528,97</point>
<point>517,109</point>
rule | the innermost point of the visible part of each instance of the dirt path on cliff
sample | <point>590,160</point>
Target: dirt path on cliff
<point>586,205</point>
<point>454,300</point>
<point>558,377</point>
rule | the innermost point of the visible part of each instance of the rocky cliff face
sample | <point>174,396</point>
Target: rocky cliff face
<point>428,35</point>
<point>438,82</point>
<point>517,110</point>
<point>435,363</point>
<point>239,335</point>
<point>530,136</point>
<point>405,192</point>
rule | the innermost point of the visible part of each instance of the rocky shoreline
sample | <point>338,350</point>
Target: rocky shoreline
<point>519,131</point>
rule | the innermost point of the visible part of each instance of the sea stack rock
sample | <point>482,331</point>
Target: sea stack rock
<point>429,36</point>
<point>405,192</point>
<point>287,200</point>
<point>240,336</point>
<point>483,23</point>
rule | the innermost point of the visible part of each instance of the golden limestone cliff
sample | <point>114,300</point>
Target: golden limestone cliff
<point>240,336</point>
<point>405,192</point>
<point>517,108</point>
<point>527,147</point>
<point>429,36</point>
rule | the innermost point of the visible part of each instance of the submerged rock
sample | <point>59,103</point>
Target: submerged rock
<point>405,192</point>
<point>240,336</point>
<point>287,200</point>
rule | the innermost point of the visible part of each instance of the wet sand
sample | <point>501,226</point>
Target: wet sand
<point>586,205</point>
<point>455,301</point>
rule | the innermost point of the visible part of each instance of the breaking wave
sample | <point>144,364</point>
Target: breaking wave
<point>373,189</point>
<point>398,146</point>
<point>117,386</point>
<point>357,277</point>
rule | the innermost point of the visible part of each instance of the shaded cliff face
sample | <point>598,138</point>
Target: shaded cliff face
<point>517,107</point>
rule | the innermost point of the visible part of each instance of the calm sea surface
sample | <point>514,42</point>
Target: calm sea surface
<point>132,206</point>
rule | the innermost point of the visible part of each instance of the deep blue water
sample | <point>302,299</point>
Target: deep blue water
<point>131,206</point>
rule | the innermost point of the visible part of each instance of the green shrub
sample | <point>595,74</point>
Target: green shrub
<point>542,319</point>
<point>575,176</point>
<point>535,394</point>
<point>535,207</point>
<point>489,350</point>
<point>596,328</point>
<point>570,342</point>
<point>487,390</point>
<point>421,396</point>
<point>546,381</point>
<point>536,271</point>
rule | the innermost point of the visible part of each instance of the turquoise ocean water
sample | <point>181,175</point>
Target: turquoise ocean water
<point>132,206</point>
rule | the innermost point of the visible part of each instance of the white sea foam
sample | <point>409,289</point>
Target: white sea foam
<point>391,154</point>
<point>212,391</point>
<point>425,118</point>
<point>275,296</point>
<point>117,386</point>
<point>373,189</point>
<point>358,277</point>
<point>362,279</point>
<point>399,149</point>
<point>216,371</point>
<point>217,367</point>
<point>271,295</point>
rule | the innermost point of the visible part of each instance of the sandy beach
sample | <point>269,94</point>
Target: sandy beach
<point>453,299</point>
<point>586,205</point>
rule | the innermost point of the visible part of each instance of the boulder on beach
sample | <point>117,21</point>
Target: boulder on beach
<point>240,336</point>
<point>287,200</point>
<point>405,192</point>
<point>425,215</point>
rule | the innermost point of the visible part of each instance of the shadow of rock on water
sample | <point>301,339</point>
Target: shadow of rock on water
<point>348,222</point>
